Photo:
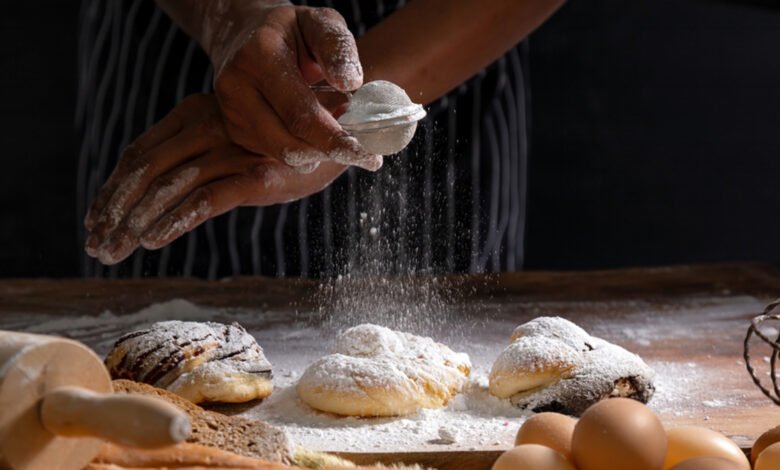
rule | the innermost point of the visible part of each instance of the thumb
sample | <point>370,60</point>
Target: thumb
<point>328,39</point>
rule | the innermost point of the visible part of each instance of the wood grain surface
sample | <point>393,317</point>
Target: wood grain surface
<point>687,321</point>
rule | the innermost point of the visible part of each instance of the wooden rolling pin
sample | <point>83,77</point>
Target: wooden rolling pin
<point>57,407</point>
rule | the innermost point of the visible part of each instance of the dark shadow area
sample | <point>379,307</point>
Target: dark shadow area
<point>655,135</point>
<point>38,180</point>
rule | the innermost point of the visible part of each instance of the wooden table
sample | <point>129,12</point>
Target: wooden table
<point>687,320</point>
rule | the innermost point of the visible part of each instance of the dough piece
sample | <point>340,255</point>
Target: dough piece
<point>202,362</point>
<point>532,370</point>
<point>375,371</point>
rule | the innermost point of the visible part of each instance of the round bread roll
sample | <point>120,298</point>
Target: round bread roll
<point>202,362</point>
<point>357,386</point>
<point>531,362</point>
<point>375,371</point>
<point>554,365</point>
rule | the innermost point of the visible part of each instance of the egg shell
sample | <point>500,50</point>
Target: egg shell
<point>769,458</point>
<point>553,430</point>
<point>687,442</point>
<point>764,441</point>
<point>532,457</point>
<point>707,463</point>
<point>619,434</point>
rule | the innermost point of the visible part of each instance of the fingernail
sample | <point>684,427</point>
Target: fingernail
<point>152,239</point>
<point>92,244</point>
<point>349,76</point>
<point>91,252</point>
<point>306,169</point>
<point>296,158</point>
<point>371,164</point>
<point>351,150</point>
<point>115,249</point>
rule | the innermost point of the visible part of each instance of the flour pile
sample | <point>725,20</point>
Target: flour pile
<point>382,117</point>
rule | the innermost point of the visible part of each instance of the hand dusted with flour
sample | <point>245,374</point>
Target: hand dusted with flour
<point>265,55</point>
<point>182,172</point>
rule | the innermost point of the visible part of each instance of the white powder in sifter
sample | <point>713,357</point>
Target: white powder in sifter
<point>377,102</point>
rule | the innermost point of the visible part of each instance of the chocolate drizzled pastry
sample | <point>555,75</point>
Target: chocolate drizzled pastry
<point>202,362</point>
<point>552,364</point>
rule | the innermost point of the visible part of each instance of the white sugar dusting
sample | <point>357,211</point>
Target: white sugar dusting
<point>385,102</point>
<point>370,359</point>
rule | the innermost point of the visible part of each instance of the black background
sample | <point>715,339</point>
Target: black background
<point>655,136</point>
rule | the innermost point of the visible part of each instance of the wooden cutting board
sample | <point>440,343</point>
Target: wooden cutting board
<point>687,321</point>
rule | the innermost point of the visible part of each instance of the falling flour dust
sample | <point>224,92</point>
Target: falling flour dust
<point>472,420</point>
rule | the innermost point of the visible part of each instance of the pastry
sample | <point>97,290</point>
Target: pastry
<point>554,365</point>
<point>200,361</point>
<point>375,371</point>
<point>532,362</point>
<point>248,437</point>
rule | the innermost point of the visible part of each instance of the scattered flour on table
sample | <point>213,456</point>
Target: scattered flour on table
<point>473,419</point>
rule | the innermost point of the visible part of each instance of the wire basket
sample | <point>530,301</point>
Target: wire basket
<point>771,314</point>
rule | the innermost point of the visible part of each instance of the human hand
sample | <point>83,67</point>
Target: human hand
<point>181,172</point>
<point>266,54</point>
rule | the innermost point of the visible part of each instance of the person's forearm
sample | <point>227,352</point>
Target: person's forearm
<point>429,47</point>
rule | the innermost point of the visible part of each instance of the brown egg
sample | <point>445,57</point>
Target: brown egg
<point>532,457</point>
<point>707,463</point>
<point>619,434</point>
<point>764,441</point>
<point>553,430</point>
<point>769,459</point>
<point>687,442</point>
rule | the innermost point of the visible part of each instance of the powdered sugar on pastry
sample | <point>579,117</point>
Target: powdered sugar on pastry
<point>554,365</point>
<point>555,328</point>
<point>530,362</point>
<point>375,371</point>
<point>608,371</point>
<point>201,361</point>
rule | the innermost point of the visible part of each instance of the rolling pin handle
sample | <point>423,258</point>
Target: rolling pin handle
<point>129,420</point>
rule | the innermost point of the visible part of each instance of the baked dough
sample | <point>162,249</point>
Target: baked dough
<point>249,437</point>
<point>554,365</point>
<point>532,362</point>
<point>202,362</point>
<point>375,371</point>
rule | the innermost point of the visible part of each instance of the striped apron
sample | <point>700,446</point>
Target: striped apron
<point>453,201</point>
